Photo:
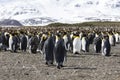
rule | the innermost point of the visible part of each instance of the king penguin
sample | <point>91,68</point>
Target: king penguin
<point>97,43</point>
<point>112,39</point>
<point>84,43</point>
<point>106,47</point>
<point>77,44</point>
<point>10,42</point>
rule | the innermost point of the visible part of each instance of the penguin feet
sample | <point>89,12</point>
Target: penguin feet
<point>108,55</point>
<point>76,53</point>
<point>58,67</point>
<point>46,63</point>
<point>61,65</point>
<point>49,63</point>
<point>83,51</point>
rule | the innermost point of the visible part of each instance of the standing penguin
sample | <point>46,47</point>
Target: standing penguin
<point>34,43</point>
<point>97,44</point>
<point>29,43</point>
<point>7,36</point>
<point>112,39</point>
<point>106,47</point>
<point>59,51</point>
<point>77,44</point>
<point>87,44</point>
<point>23,42</point>
<point>10,42</point>
<point>69,43</point>
<point>90,38</point>
<point>15,42</point>
<point>65,40</point>
<point>42,41</point>
<point>3,41</point>
<point>84,43</point>
<point>117,37</point>
<point>48,50</point>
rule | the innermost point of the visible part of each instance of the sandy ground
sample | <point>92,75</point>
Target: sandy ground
<point>85,66</point>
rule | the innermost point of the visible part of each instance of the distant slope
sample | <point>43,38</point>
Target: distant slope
<point>43,12</point>
<point>84,24</point>
<point>8,22</point>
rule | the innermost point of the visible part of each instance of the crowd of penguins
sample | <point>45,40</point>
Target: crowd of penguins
<point>54,43</point>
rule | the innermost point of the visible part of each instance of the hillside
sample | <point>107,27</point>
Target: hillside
<point>39,12</point>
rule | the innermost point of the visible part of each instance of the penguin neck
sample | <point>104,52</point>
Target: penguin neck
<point>11,36</point>
<point>103,39</point>
<point>77,36</point>
<point>83,37</point>
<point>110,35</point>
<point>64,36</point>
<point>57,38</point>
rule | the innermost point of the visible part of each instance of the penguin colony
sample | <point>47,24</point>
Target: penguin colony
<point>54,42</point>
